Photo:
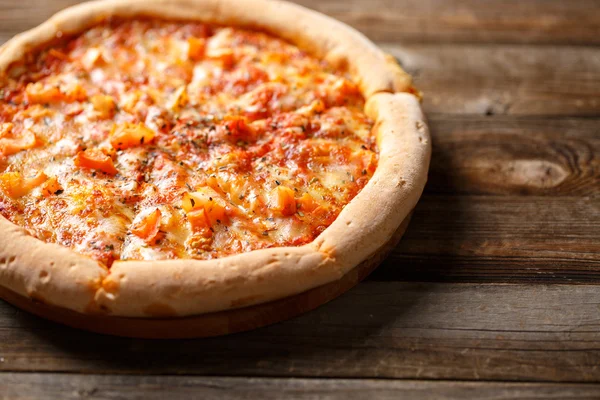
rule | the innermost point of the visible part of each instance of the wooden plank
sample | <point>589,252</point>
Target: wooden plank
<point>504,79</point>
<point>499,239</point>
<point>21,386</point>
<point>509,156</point>
<point>491,21</point>
<point>376,330</point>
<point>433,21</point>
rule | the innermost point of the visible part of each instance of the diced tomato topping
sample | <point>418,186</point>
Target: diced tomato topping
<point>95,159</point>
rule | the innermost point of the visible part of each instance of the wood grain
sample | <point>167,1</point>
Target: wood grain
<point>424,21</point>
<point>504,79</point>
<point>21,386</point>
<point>501,155</point>
<point>489,21</point>
<point>376,330</point>
<point>512,94</point>
<point>499,239</point>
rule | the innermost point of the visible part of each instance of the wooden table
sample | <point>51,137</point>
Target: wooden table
<point>493,292</point>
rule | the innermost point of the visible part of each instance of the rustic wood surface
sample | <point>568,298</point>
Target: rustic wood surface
<point>457,331</point>
<point>492,293</point>
<point>113,387</point>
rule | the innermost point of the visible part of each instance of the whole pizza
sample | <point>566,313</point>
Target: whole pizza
<point>173,158</point>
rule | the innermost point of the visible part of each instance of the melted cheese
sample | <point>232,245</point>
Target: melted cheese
<point>147,139</point>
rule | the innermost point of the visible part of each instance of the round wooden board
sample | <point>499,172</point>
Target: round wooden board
<point>212,324</point>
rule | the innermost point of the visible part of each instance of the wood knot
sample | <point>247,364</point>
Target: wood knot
<point>534,174</point>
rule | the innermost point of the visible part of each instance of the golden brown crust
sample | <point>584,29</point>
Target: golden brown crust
<point>47,272</point>
<point>185,287</point>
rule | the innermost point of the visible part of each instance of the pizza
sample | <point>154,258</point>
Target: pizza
<point>173,158</point>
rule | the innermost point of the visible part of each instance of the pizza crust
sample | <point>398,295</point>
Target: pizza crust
<point>47,272</point>
<point>324,37</point>
<point>58,276</point>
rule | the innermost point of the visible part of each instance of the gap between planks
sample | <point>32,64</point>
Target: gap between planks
<point>22,386</point>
